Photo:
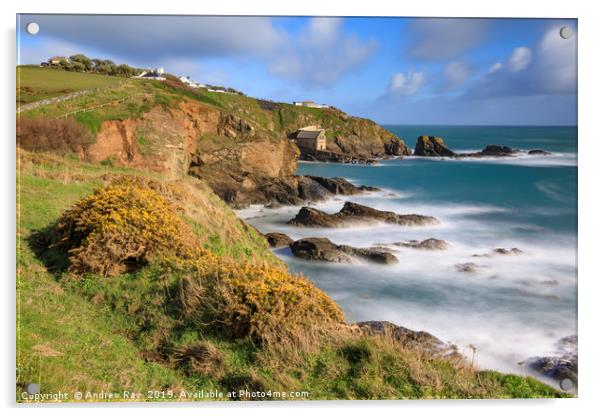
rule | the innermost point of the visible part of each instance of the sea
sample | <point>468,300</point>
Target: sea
<point>512,307</point>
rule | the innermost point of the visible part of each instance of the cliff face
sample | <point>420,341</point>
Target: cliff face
<point>236,157</point>
<point>243,151</point>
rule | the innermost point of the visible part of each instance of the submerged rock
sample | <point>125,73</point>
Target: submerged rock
<point>322,249</point>
<point>428,244</point>
<point>353,213</point>
<point>467,267</point>
<point>278,240</point>
<point>501,252</point>
<point>562,366</point>
<point>507,251</point>
<point>421,340</point>
<point>539,152</point>
<point>432,146</point>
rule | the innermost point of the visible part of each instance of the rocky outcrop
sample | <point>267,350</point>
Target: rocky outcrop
<point>322,249</point>
<point>492,150</point>
<point>467,267</point>
<point>357,138</point>
<point>428,244</point>
<point>432,146</point>
<point>278,240</point>
<point>435,147</point>
<point>421,340</point>
<point>341,186</point>
<point>330,156</point>
<point>559,367</point>
<point>355,214</point>
<point>501,251</point>
<point>539,152</point>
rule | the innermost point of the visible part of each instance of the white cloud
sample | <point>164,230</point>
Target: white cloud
<point>495,67</point>
<point>548,67</point>
<point>322,53</point>
<point>406,84</point>
<point>520,59</point>
<point>321,32</point>
<point>147,38</point>
<point>455,74</point>
<point>441,39</point>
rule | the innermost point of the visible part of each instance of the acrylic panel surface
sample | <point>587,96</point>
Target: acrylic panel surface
<point>295,208</point>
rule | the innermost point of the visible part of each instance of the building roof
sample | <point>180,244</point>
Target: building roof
<point>308,134</point>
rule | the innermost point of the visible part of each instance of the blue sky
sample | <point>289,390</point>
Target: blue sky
<point>393,70</point>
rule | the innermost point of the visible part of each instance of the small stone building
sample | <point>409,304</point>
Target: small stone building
<point>311,138</point>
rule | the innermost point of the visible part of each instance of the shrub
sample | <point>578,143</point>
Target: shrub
<point>121,227</point>
<point>267,304</point>
<point>59,136</point>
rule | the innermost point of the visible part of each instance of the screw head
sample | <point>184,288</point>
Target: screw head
<point>32,388</point>
<point>565,32</point>
<point>32,28</point>
<point>566,384</point>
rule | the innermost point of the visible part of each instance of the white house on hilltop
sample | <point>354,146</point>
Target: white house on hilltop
<point>310,104</point>
<point>191,83</point>
<point>154,74</point>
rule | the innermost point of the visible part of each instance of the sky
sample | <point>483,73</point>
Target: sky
<point>392,70</point>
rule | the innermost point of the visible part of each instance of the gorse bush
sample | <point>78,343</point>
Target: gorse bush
<point>121,227</point>
<point>264,303</point>
<point>130,223</point>
<point>59,136</point>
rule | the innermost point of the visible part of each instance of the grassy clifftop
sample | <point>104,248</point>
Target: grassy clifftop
<point>130,98</point>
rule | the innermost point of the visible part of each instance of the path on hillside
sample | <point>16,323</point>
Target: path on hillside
<point>54,100</point>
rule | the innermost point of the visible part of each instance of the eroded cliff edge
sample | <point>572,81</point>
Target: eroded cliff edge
<point>243,151</point>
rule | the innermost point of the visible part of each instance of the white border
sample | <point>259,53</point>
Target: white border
<point>590,151</point>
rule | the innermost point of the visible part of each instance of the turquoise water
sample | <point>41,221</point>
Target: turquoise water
<point>513,307</point>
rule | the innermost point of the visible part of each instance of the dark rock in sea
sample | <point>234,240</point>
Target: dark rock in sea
<point>432,146</point>
<point>496,150</point>
<point>507,251</point>
<point>322,249</point>
<point>539,152</point>
<point>562,366</point>
<point>428,244</point>
<point>492,150</point>
<point>341,186</point>
<point>396,147</point>
<point>310,190</point>
<point>353,213</point>
<point>421,340</point>
<point>501,252</point>
<point>467,267</point>
<point>278,240</point>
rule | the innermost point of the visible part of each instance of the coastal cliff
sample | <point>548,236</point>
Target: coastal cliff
<point>242,147</point>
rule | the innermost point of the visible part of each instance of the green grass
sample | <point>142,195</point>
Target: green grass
<point>36,83</point>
